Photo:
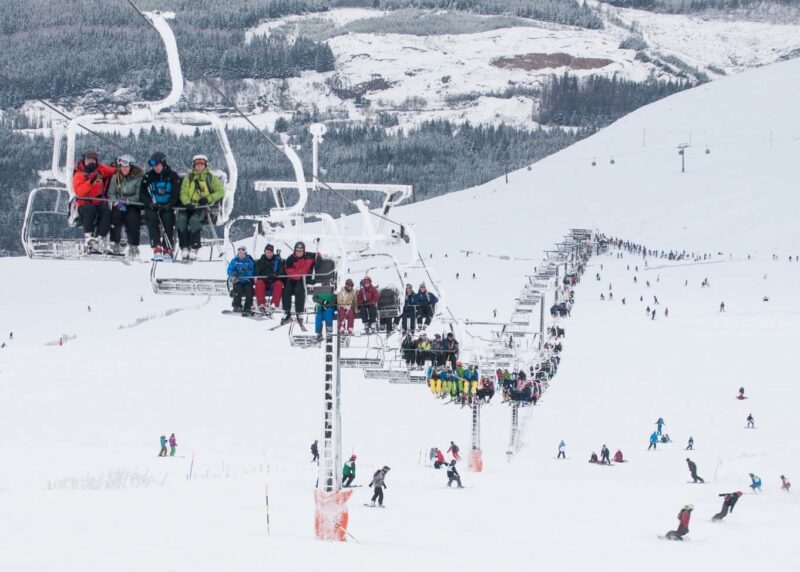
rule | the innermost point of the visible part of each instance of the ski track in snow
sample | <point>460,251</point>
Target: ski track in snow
<point>245,407</point>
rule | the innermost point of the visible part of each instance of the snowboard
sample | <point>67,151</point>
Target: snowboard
<point>366,504</point>
<point>664,537</point>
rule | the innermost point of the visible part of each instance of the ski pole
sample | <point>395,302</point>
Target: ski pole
<point>347,533</point>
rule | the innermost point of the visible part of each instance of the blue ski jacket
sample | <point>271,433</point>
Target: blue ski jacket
<point>242,267</point>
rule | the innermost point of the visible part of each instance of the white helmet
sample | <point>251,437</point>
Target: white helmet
<point>200,157</point>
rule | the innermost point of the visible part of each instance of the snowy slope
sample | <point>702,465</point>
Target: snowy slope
<point>247,406</point>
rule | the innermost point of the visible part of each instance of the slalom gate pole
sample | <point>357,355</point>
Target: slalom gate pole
<point>347,533</point>
<point>266,496</point>
<point>191,467</point>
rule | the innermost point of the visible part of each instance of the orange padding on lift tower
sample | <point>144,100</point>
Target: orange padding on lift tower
<point>475,461</point>
<point>330,520</point>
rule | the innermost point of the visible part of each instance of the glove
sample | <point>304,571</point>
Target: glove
<point>203,202</point>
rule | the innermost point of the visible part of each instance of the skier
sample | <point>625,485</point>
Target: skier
<point>123,189</point>
<point>440,461</point>
<point>349,471</point>
<point>722,306</point>
<point>200,190</point>
<point>409,314</point>
<point>315,452</point>
<point>240,271</point>
<point>561,450</point>
<point>368,297</point>
<point>653,441</point>
<point>751,422</point>
<point>426,305</point>
<point>453,449</point>
<point>604,455</point>
<point>298,266</point>
<point>683,524</point>
<point>785,485</point>
<point>755,483</point>
<point>268,269</point>
<point>163,451</point>
<point>690,445</point>
<point>348,306</point>
<point>325,307</point>
<point>660,423</point>
<point>378,485</point>
<point>159,193</point>
<point>172,444</point>
<point>653,314</point>
<point>618,458</point>
<point>727,505</point>
<point>95,216</point>
<point>453,476</point>
<point>693,470</point>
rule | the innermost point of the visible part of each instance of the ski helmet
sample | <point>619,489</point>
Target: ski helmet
<point>299,244</point>
<point>200,157</point>
<point>688,507</point>
<point>385,468</point>
<point>243,248</point>
<point>126,159</point>
<point>90,154</point>
<point>156,158</point>
<point>269,247</point>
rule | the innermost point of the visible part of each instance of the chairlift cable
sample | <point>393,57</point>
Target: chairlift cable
<point>53,108</point>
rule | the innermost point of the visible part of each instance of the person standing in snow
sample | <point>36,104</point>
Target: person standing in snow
<point>440,461</point>
<point>453,449</point>
<point>683,523</point>
<point>315,452</point>
<point>660,423</point>
<point>172,445</point>
<point>727,504</point>
<point>163,451</point>
<point>653,441</point>
<point>785,484</point>
<point>618,458</point>
<point>349,471</point>
<point>561,450</point>
<point>690,446</point>
<point>604,455</point>
<point>693,470</point>
<point>751,422</point>
<point>378,483</point>
<point>722,306</point>
<point>453,476</point>
<point>755,483</point>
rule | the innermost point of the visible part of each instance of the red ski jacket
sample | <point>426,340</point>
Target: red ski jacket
<point>91,185</point>
<point>297,268</point>
<point>683,518</point>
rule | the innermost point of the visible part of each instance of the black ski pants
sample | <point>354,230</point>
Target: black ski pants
<point>167,217</point>
<point>696,478</point>
<point>96,219</point>
<point>378,496</point>
<point>409,316</point>
<point>721,514</point>
<point>454,479</point>
<point>296,288</point>
<point>240,289</point>
<point>131,219</point>
<point>348,480</point>
<point>369,313</point>
<point>424,314</point>
<point>190,227</point>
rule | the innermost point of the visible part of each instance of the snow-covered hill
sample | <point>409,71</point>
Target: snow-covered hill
<point>245,407</point>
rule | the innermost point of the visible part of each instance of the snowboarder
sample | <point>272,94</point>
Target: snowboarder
<point>315,452</point>
<point>690,445</point>
<point>163,451</point>
<point>349,471</point>
<point>751,422</point>
<point>785,484</point>
<point>653,441</point>
<point>741,394</point>
<point>604,455</point>
<point>683,523</point>
<point>660,423</point>
<point>453,449</point>
<point>618,458</point>
<point>727,505</point>
<point>378,485</point>
<point>172,444</point>
<point>693,470</point>
<point>440,461</point>
<point>561,450</point>
<point>593,458</point>
<point>453,476</point>
<point>755,483</point>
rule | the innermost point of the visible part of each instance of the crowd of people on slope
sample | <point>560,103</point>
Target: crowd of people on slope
<point>110,198</point>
